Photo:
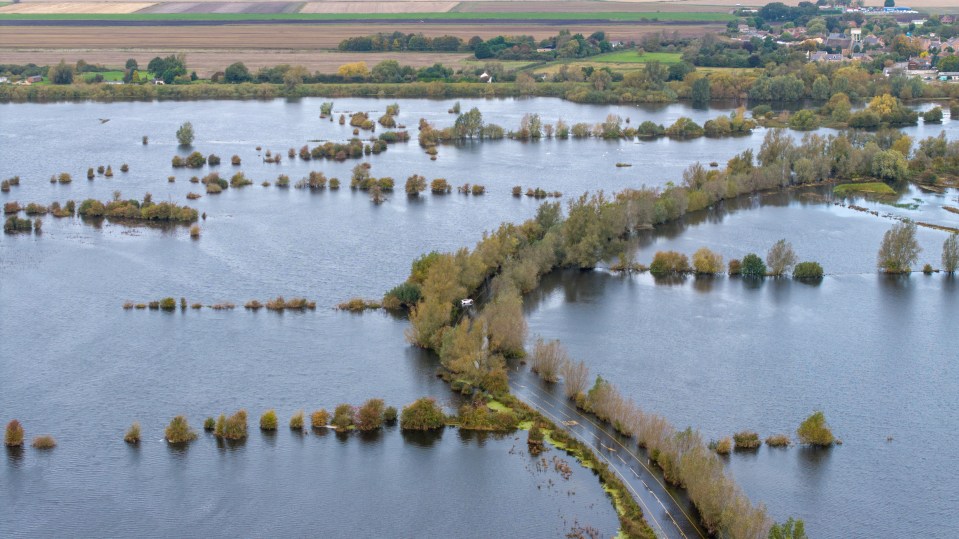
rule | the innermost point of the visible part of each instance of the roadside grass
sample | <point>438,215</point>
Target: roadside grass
<point>873,188</point>
<point>529,15</point>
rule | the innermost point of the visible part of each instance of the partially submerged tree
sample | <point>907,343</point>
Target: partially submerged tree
<point>899,249</point>
<point>815,431</point>
<point>950,254</point>
<point>185,135</point>
<point>780,258</point>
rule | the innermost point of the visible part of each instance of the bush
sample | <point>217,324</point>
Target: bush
<point>342,417</point>
<point>415,185</point>
<point>927,269</point>
<point>815,431</point>
<point>723,447</point>
<point>808,270</point>
<point>747,440</point>
<point>390,415</point>
<point>235,160</point>
<point>168,304</point>
<point>440,186</point>
<point>231,428</point>
<point>405,295</point>
<point>213,159</point>
<point>422,414</point>
<point>320,418</point>
<point>13,435</point>
<point>195,160</point>
<point>209,424</point>
<point>369,416</point>
<point>666,262</point>
<point>296,420</point>
<point>707,262</point>
<point>778,440</point>
<point>752,266</point>
<point>268,420</point>
<point>44,442</point>
<point>240,180</point>
<point>534,440</point>
<point>179,431</point>
<point>548,358</point>
<point>933,116</point>
<point>133,434</point>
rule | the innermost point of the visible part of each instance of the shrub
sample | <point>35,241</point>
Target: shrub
<point>320,418</point>
<point>746,440</point>
<point>707,262</point>
<point>723,447</point>
<point>13,435</point>
<point>933,116</point>
<point>195,160</point>
<point>44,442</point>
<point>64,177</point>
<point>240,180</point>
<point>534,439</point>
<point>90,173</point>
<point>213,189</point>
<point>146,140</point>
<point>15,224</point>
<point>778,440</point>
<point>389,415</point>
<point>231,428</point>
<point>209,424</point>
<point>296,420</point>
<point>440,186</point>
<point>548,358</point>
<point>752,266</point>
<point>815,431</point>
<point>195,231</point>
<point>369,416</point>
<point>517,191</point>
<point>927,269</point>
<point>133,434</point>
<point>268,420</point>
<point>342,417</point>
<point>666,262</point>
<point>253,305</point>
<point>235,160</point>
<point>780,258</point>
<point>213,159</point>
<point>123,168</point>
<point>11,207</point>
<point>808,270</point>
<point>179,431</point>
<point>422,414</point>
<point>792,529</point>
<point>478,189</point>
<point>334,183</point>
<point>168,304</point>
<point>415,185</point>
<point>405,295</point>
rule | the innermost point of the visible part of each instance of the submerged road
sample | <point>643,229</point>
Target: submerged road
<point>668,512</point>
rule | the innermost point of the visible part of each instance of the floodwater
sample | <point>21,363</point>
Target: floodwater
<point>75,365</point>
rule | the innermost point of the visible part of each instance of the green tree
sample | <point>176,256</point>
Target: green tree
<point>821,89</point>
<point>932,116</point>
<point>950,253</point>
<point>752,266</point>
<point>804,120</point>
<point>185,134</point>
<point>815,431</point>
<point>236,73</point>
<point>889,165</point>
<point>423,414</point>
<point>899,249</point>
<point>780,258</point>
<point>948,63</point>
<point>61,73</point>
<point>889,3</point>
<point>707,262</point>
<point>792,528</point>
<point>470,123</point>
<point>701,92</point>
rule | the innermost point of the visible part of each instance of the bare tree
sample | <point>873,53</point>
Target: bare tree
<point>781,258</point>
<point>575,378</point>
<point>548,359</point>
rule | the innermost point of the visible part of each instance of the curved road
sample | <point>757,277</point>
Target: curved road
<point>669,513</point>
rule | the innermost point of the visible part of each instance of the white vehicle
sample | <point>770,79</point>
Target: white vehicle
<point>467,302</point>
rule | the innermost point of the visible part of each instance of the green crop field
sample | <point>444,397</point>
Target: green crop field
<point>449,16</point>
<point>633,57</point>
<point>108,76</point>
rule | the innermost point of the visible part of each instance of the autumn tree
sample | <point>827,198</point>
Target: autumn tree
<point>780,258</point>
<point>950,253</point>
<point>899,249</point>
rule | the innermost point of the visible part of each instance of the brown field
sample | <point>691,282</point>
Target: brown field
<point>206,62</point>
<point>583,6</point>
<point>75,7</point>
<point>223,7</point>
<point>286,37</point>
<point>378,7</point>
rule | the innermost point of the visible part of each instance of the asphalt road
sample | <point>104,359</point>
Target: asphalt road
<point>668,511</point>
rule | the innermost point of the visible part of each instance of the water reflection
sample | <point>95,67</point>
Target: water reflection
<point>422,438</point>
<point>15,456</point>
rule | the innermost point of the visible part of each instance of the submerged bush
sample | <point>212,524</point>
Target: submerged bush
<point>747,440</point>
<point>296,420</point>
<point>405,295</point>
<point>534,439</point>
<point>778,440</point>
<point>440,186</point>
<point>231,428</point>
<point>807,270</point>
<point>667,262</point>
<point>133,434</point>
<point>268,420</point>
<point>320,418</point>
<point>723,446</point>
<point>44,442</point>
<point>209,424</point>
<point>706,262</point>
<point>422,414</point>
<point>389,415</point>
<point>13,435</point>
<point>342,417</point>
<point>735,267</point>
<point>815,431</point>
<point>753,266</point>
<point>369,416</point>
<point>548,358</point>
<point>179,431</point>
